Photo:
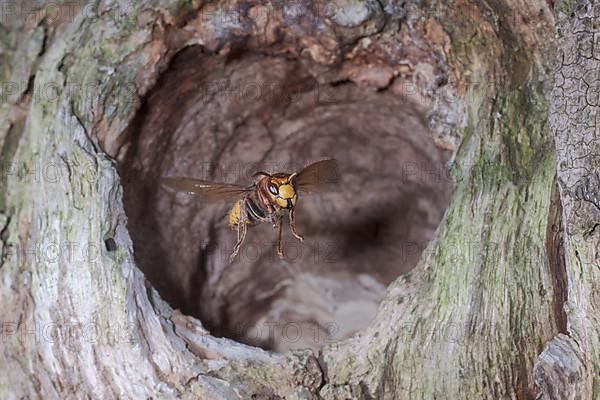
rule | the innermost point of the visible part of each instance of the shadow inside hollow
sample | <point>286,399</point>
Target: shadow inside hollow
<point>198,116</point>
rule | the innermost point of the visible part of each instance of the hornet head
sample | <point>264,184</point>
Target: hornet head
<point>282,190</point>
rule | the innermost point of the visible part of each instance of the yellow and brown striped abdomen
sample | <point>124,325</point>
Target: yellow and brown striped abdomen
<point>253,212</point>
<point>234,214</point>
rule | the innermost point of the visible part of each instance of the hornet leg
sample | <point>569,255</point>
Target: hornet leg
<point>279,225</point>
<point>242,228</point>
<point>293,225</point>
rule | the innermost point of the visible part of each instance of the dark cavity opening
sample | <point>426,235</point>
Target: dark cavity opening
<point>223,119</point>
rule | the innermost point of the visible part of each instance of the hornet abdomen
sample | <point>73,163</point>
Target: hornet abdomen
<point>253,212</point>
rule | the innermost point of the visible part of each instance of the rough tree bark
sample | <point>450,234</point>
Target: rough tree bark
<point>504,300</point>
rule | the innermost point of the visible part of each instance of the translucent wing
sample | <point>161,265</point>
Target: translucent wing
<point>207,189</point>
<point>316,176</point>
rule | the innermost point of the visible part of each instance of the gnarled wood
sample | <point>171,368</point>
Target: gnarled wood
<point>479,317</point>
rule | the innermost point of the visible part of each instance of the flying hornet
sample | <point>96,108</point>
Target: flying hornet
<point>268,199</point>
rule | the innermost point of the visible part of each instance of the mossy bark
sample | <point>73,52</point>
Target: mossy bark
<point>504,301</point>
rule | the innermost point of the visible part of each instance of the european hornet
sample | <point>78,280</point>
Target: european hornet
<point>266,200</point>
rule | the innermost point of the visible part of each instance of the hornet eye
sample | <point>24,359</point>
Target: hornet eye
<point>273,189</point>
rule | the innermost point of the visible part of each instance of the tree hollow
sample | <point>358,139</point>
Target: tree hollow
<point>222,117</point>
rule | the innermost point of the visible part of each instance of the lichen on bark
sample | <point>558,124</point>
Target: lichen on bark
<point>483,305</point>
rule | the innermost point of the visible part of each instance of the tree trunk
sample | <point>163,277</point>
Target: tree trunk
<point>101,99</point>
